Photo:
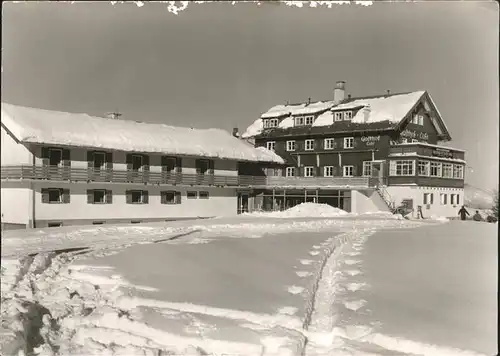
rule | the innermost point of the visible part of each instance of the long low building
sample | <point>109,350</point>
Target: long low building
<point>60,168</point>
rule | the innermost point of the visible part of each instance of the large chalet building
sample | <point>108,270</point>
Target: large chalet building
<point>60,168</point>
<point>361,154</point>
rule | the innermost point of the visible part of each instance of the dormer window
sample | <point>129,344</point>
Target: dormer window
<point>338,116</point>
<point>309,120</point>
<point>269,123</point>
<point>348,115</point>
<point>299,121</point>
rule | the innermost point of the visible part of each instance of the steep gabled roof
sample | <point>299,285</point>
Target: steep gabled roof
<point>392,108</point>
<point>31,125</point>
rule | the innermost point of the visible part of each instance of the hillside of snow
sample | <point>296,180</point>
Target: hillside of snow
<point>478,198</point>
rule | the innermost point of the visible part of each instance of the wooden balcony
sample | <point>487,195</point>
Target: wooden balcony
<point>70,174</point>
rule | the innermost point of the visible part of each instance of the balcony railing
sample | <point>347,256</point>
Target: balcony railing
<point>118,176</point>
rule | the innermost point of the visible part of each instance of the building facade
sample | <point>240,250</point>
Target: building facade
<point>362,154</point>
<point>68,169</point>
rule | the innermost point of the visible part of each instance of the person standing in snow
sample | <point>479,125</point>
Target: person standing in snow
<point>462,212</point>
<point>477,216</point>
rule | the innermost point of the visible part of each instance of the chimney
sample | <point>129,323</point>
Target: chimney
<point>308,101</point>
<point>113,115</point>
<point>348,96</point>
<point>339,92</point>
<point>236,133</point>
<point>366,113</point>
<point>388,92</point>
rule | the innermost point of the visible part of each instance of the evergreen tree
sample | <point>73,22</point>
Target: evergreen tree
<point>496,204</point>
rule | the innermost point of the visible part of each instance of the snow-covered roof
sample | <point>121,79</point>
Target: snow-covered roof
<point>392,108</point>
<point>62,128</point>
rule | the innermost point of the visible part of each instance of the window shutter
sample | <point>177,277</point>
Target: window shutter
<point>45,195</point>
<point>164,162</point>
<point>318,171</point>
<point>45,156</point>
<point>392,168</point>
<point>178,164</point>
<point>145,162</point>
<point>128,195</point>
<point>145,197</point>
<point>335,171</point>
<point>301,171</point>
<point>355,170</point>
<point>66,157</point>
<point>211,167</point>
<point>90,196</point>
<point>109,197</point>
<point>163,197</point>
<point>90,159</point>
<point>129,162</point>
<point>354,142</point>
<point>109,160</point>
<point>177,197</point>
<point>66,196</point>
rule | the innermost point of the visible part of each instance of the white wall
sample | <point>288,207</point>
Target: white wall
<point>222,202</point>
<point>367,202</point>
<point>13,153</point>
<point>15,204</point>
<point>398,193</point>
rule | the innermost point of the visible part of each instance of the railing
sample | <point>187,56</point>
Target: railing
<point>119,176</point>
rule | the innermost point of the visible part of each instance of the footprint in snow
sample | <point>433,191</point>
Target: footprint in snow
<point>353,253</point>
<point>314,253</point>
<point>295,289</point>
<point>353,287</point>
<point>355,305</point>
<point>306,262</point>
<point>352,262</point>
<point>303,273</point>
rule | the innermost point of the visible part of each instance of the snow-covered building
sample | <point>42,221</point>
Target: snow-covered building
<point>362,154</point>
<point>60,168</point>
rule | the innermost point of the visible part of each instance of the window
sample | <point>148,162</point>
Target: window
<point>97,222</point>
<point>299,121</point>
<point>309,145</point>
<point>418,119</point>
<point>135,221</point>
<point>137,196</point>
<point>55,196</point>
<point>271,145</point>
<point>444,198</point>
<point>404,140</point>
<point>452,199</point>
<point>273,123</point>
<point>458,199</point>
<point>170,164</point>
<point>290,171</point>
<point>348,142</point>
<point>265,123</point>
<point>170,197</point>
<point>309,120</point>
<point>54,224</point>
<point>99,196</point>
<point>204,166</point>
<point>402,168</point>
<point>414,140</point>
<point>338,116</point>
<point>136,162</point>
<point>99,159</point>
<point>447,170</point>
<point>458,171</point>
<point>192,195</point>
<point>55,156</point>
<point>348,115</point>
<point>428,198</point>
<point>435,169</point>
<point>423,168</point>
<point>204,195</point>
<point>329,143</point>
<point>348,171</point>
<point>290,145</point>
<point>309,171</point>
<point>328,171</point>
<point>367,168</point>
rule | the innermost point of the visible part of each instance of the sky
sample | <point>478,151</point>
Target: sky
<point>222,65</point>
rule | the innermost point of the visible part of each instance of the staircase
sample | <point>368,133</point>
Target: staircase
<point>386,197</point>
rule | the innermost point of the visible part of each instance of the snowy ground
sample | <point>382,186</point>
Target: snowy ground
<point>252,285</point>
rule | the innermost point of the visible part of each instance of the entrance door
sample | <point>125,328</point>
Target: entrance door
<point>242,203</point>
<point>378,172</point>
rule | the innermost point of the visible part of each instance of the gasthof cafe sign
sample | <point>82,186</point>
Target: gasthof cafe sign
<point>370,140</point>
<point>414,134</point>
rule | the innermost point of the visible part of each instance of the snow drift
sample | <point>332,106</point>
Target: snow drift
<point>304,210</point>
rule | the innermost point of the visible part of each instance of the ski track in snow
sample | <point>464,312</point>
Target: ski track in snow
<point>83,313</point>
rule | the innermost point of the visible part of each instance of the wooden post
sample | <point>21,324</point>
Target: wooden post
<point>317,196</point>
<point>274,198</point>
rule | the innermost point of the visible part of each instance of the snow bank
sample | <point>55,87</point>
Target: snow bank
<point>304,210</point>
<point>62,128</point>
